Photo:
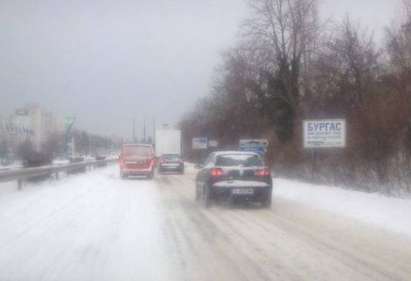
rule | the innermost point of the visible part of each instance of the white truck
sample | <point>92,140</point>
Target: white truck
<point>167,141</point>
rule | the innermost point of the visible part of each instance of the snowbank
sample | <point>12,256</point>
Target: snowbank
<point>11,166</point>
<point>61,161</point>
<point>377,209</point>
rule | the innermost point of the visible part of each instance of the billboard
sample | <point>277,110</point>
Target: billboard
<point>213,143</point>
<point>327,133</point>
<point>200,143</point>
<point>254,145</point>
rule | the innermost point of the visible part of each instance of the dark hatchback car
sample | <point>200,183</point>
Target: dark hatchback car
<point>231,175</point>
<point>170,162</point>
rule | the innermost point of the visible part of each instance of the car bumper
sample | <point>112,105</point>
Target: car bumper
<point>243,189</point>
<point>135,172</point>
<point>169,167</point>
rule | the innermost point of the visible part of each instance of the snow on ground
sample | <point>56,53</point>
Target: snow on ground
<point>377,209</point>
<point>91,226</point>
<point>8,187</point>
<point>96,226</point>
<point>190,167</point>
<point>61,161</point>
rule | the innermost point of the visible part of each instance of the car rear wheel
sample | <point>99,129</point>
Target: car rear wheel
<point>267,201</point>
<point>197,195</point>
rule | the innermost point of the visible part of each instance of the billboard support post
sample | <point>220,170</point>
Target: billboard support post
<point>313,163</point>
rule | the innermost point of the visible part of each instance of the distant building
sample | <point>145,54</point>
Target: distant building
<point>32,123</point>
<point>3,138</point>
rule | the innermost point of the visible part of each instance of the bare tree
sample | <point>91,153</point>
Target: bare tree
<point>399,51</point>
<point>347,67</point>
<point>280,35</point>
<point>406,8</point>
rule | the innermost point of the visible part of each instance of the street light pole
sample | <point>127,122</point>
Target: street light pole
<point>144,130</point>
<point>134,129</point>
<point>69,123</point>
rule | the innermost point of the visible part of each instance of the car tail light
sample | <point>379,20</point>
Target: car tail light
<point>217,172</point>
<point>263,173</point>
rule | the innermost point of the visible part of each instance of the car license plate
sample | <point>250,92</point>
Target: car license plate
<point>170,165</point>
<point>243,191</point>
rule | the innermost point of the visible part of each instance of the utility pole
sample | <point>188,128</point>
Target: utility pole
<point>154,131</point>
<point>144,130</point>
<point>134,130</point>
<point>68,124</point>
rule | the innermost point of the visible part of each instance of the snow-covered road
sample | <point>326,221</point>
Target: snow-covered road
<point>98,227</point>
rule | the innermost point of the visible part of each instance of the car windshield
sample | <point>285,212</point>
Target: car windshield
<point>171,157</point>
<point>245,160</point>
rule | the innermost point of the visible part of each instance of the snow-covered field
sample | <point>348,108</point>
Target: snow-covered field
<point>390,213</point>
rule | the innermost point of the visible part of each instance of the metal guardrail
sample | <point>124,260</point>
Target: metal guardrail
<point>24,174</point>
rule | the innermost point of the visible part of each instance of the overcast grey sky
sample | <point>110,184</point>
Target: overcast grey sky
<point>110,61</point>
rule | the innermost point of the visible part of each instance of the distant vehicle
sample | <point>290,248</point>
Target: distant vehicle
<point>100,159</point>
<point>76,170</point>
<point>232,175</point>
<point>137,160</point>
<point>171,162</point>
<point>167,141</point>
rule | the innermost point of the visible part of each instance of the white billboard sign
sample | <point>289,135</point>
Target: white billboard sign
<point>329,133</point>
<point>200,143</point>
<point>213,143</point>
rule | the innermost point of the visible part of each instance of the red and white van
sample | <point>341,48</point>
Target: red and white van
<point>137,160</point>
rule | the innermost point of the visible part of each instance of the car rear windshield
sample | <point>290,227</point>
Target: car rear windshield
<point>245,160</point>
<point>137,151</point>
<point>171,157</point>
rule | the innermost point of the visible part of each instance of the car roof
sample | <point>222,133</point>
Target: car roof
<point>137,144</point>
<point>235,152</point>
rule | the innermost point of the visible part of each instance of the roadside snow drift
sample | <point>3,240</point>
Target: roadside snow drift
<point>377,209</point>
